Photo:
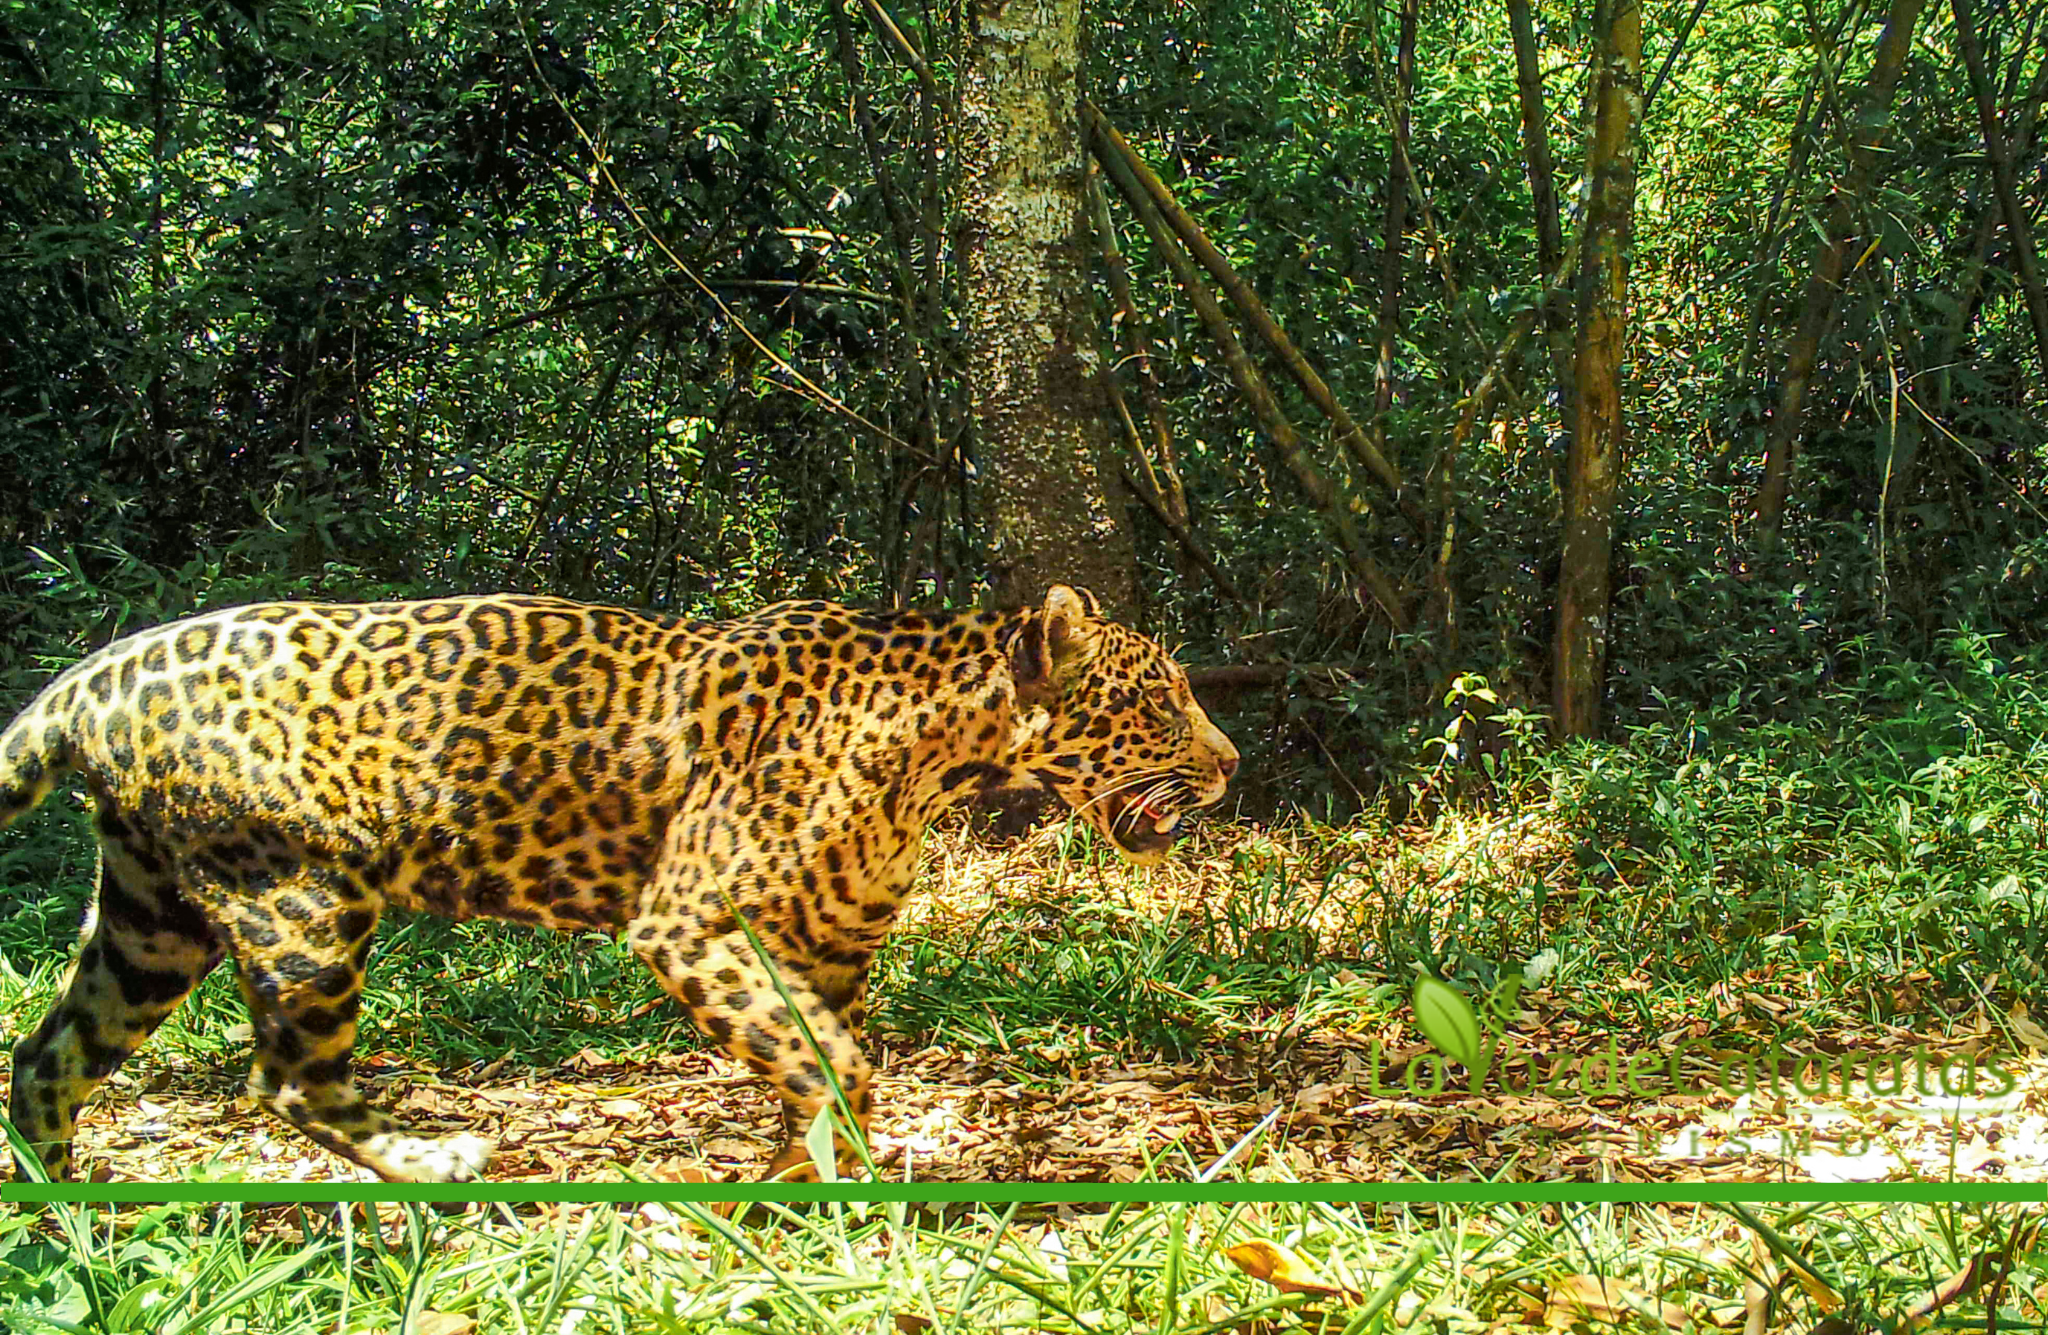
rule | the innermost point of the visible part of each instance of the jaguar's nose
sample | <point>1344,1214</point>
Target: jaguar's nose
<point>1226,765</point>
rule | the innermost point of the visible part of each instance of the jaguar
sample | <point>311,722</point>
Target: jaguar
<point>744,801</point>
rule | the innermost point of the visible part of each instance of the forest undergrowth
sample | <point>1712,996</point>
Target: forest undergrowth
<point>1863,877</point>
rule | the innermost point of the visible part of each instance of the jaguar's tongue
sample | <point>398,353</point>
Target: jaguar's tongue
<point>1163,822</point>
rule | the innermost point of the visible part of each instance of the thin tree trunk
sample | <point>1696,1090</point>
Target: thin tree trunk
<point>1671,56</point>
<point>1830,263</point>
<point>1160,461</point>
<point>1799,151</point>
<point>1593,473</point>
<point>1321,493</point>
<point>1397,222</point>
<point>1970,296</point>
<point>578,454</point>
<point>159,282</point>
<point>1542,189</point>
<point>918,303</point>
<point>2026,261</point>
<point>1037,399</point>
<point>1189,543</point>
<point>878,160</point>
<point>1766,276</point>
<point>1536,136</point>
<point>1143,189</point>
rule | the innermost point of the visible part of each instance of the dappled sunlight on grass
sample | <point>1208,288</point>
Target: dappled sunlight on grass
<point>1248,1268</point>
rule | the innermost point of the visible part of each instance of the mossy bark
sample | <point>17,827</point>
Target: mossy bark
<point>1593,472</point>
<point>1040,416</point>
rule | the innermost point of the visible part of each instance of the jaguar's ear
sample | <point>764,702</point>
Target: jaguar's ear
<point>1091,606</point>
<point>1068,611</point>
<point>1057,635</point>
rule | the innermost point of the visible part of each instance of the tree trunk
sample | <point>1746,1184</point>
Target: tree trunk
<point>2025,259</point>
<point>1542,191</point>
<point>1397,223</point>
<point>1032,376</point>
<point>1830,262</point>
<point>1593,473</point>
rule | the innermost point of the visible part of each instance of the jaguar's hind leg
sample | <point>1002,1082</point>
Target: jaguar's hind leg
<point>144,948</point>
<point>732,997</point>
<point>299,952</point>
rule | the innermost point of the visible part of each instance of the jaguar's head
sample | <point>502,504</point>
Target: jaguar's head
<point>1107,722</point>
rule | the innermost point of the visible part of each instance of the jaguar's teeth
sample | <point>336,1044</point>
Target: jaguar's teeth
<point>1166,824</point>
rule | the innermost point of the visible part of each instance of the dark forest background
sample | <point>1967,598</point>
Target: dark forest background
<point>662,305</point>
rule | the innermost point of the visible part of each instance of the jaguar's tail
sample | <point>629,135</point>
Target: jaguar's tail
<point>35,752</point>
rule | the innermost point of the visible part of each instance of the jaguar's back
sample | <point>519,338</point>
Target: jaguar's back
<point>504,756</point>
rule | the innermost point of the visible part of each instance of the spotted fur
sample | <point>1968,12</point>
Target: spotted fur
<point>267,779</point>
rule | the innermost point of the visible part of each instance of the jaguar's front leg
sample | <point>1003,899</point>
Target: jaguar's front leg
<point>730,991</point>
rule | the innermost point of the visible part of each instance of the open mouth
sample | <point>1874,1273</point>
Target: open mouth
<point>1141,825</point>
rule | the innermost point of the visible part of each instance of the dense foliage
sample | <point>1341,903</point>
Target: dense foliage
<point>658,306</point>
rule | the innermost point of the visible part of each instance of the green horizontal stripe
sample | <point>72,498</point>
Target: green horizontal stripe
<point>1049,1193</point>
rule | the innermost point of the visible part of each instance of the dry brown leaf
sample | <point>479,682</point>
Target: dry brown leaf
<point>910,1323</point>
<point>1589,1298</point>
<point>2027,1031</point>
<point>1285,1269</point>
<point>442,1323</point>
<point>1756,1306</point>
<point>1760,1288</point>
<point>1824,1297</point>
<point>1956,1287</point>
<point>958,1113</point>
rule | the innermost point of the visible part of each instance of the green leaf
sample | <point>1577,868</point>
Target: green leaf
<point>1447,1020</point>
<point>40,1291</point>
<point>818,1140</point>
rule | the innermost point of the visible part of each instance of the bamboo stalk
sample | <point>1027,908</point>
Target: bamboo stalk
<point>1671,56</point>
<point>1162,460</point>
<point>1315,485</point>
<point>2026,260</point>
<point>1391,248</point>
<point>1830,265</point>
<point>1188,542</point>
<point>885,24</point>
<point>1138,183</point>
<point>1542,192</point>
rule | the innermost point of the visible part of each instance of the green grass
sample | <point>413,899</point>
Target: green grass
<point>176,1269</point>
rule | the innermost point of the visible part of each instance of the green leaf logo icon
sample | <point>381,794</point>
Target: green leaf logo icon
<point>1447,1021</point>
<point>818,1140</point>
